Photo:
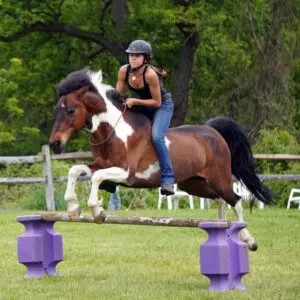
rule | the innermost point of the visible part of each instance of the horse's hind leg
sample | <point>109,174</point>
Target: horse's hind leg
<point>70,194</point>
<point>244,233</point>
<point>200,187</point>
<point>228,195</point>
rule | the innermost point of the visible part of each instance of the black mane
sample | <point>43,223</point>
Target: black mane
<point>81,78</point>
<point>75,81</point>
<point>116,98</point>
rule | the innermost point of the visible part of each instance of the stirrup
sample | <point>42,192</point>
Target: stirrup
<point>167,189</point>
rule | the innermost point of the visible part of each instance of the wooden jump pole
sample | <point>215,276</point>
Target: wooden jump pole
<point>129,220</point>
<point>223,257</point>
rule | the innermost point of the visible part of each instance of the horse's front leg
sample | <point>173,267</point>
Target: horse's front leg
<point>70,194</point>
<point>244,233</point>
<point>113,174</point>
<point>221,209</point>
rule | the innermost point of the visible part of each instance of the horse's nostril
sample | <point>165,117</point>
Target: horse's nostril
<point>55,146</point>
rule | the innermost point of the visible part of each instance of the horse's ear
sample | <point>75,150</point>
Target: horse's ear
<point>81,91</point>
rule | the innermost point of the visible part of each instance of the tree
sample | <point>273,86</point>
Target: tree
<point>59,17</point>
<point>222,57</point>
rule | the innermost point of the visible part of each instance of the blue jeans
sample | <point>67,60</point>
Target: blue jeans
<point>114,200</point>
<point>161,122</point>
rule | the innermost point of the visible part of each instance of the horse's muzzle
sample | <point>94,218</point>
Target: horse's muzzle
<point>57,147</point>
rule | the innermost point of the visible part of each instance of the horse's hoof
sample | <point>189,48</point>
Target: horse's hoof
<point>100,219</point>
<point>75,212</point>
<point>98,214</point>
<point>252,245</point>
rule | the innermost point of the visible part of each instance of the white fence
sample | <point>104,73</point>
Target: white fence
<point>48,179</point>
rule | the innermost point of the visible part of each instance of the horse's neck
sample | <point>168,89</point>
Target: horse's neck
<point>112,125</point>
<point>105,145</point>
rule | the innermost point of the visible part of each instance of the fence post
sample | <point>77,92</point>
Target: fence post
<point>49,190</point>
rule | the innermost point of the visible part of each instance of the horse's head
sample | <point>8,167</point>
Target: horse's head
<point>71,116</point>
<point>81,97</point>
<point>71,109</point>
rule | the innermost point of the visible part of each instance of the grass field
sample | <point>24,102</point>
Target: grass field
<point>140,262</point>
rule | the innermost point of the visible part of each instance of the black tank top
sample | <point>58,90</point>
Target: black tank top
<point>144,92</point>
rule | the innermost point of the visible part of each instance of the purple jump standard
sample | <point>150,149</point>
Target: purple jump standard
<point>39,247</point>
<point>224,257</point>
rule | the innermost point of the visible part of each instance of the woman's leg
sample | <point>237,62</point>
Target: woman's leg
<point>114,200</point>
<point>161,122</point>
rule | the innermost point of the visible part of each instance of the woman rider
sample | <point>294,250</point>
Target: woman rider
<point>145,82</point>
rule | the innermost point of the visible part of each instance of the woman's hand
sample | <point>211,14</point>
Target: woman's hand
<point>130,102</point>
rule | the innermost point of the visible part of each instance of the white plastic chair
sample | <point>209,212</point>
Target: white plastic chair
<point>293,198</point>
<point>178,194</point>
<point>244,193</point>
<point>204,203</point>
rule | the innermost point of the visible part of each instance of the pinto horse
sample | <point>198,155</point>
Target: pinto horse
<point>204,157</point>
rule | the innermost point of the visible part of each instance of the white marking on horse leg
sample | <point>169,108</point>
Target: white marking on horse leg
<point>70,194</point>
<point>113,174</point>
<point>221,209</point>
<point>244,233</point>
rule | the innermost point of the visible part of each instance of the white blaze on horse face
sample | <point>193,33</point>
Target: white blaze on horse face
<point>153,168</point>
<point>113,116</point>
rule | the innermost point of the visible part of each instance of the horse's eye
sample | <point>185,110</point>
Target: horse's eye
<point>70,111</point>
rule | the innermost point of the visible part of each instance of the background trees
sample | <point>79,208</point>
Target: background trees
<point>238,58</point>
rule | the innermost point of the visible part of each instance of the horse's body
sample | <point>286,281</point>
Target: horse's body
<point>204,157</point>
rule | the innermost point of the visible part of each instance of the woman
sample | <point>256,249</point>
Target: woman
<point>156,101</point>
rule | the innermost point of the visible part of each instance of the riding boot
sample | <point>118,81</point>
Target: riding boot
<point>167,189</point>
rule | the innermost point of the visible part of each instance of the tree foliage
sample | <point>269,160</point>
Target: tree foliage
<point>238,58</point>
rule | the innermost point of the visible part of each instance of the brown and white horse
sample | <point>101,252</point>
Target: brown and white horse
<point>204,157</point>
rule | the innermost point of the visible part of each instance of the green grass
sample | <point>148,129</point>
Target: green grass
<point>140,262</point>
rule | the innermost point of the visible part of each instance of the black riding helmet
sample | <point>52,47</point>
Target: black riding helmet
<point>140,47</point>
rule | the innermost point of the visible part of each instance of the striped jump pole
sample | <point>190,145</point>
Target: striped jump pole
<point>223,257</point>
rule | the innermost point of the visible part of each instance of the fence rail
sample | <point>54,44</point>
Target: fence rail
<point>88,155</point>
<point>48,179</point>
<point>39,158</point>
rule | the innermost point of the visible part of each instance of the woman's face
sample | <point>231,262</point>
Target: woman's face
<point>136,60</point>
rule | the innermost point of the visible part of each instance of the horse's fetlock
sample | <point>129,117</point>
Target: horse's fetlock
<point>70,197</point>
<point>73,208</point>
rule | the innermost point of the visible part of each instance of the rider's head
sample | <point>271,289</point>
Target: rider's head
<point>140,47</point>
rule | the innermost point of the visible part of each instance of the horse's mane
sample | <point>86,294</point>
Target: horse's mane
<point>86,77</point>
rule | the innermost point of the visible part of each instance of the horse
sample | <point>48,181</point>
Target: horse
<point>204,157</point>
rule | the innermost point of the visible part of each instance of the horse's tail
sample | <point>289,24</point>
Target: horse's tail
<point>242,161</point>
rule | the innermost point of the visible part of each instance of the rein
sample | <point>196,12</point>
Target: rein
<point>111,133</point>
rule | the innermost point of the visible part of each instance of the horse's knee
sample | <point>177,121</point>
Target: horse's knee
<point>78,170</point>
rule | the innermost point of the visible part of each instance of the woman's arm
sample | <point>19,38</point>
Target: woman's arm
<point>121,79</point>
